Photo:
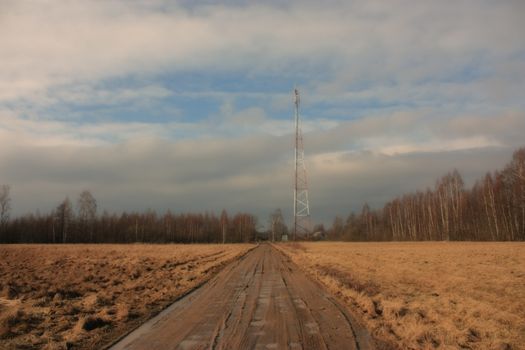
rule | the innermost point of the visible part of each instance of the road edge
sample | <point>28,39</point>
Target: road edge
<point>364,337</point>
<point>183,295</point>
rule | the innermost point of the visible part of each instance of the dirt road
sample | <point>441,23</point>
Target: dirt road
<point>261,301</point>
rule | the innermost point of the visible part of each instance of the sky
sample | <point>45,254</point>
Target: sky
<point>187,106</point>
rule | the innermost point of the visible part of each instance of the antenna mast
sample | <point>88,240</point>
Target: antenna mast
<point>301,206</point>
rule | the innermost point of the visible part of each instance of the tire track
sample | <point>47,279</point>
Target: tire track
<point>263,301</point>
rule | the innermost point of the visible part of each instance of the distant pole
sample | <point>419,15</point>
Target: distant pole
<point>301,205</point>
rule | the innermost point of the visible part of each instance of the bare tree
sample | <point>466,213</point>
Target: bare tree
<point>245,227</point>
<point>337,227</point>
<point>87,211</point>
<point>224,225</point>
<point>5,207</point>
<point>5,203</point>
<point>278,227</point>
<point>64,217</point>
<point>517,168</point>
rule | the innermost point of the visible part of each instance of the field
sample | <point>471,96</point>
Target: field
<point>84,296</point>
<point>416,295</point>
<point>426,295</point>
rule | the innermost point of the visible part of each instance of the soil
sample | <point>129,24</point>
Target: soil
<point>261,301</point>
<point>85,296</point>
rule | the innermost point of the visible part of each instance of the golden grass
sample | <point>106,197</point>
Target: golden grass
<point>427,295</point>
<point>83,296</point>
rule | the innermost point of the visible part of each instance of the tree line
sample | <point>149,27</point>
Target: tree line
<point>67,224</point>
<point>492,210</point>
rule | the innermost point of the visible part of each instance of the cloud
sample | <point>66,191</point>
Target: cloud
<point>242,173</point>
<point>343,182</point>
<point>46,44</point>
<point>187,106</point>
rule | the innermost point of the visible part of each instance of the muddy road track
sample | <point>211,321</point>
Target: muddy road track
<point>261,301</point>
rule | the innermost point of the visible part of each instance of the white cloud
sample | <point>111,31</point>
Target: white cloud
<point>432,146</point>
<point>50,43</point>
<point>141,170</point>
<point>394,94</point>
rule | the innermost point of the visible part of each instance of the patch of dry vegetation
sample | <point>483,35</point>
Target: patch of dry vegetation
<point>427,295</point>
<point>84,296</point>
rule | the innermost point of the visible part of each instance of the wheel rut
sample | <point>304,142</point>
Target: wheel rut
<point>262,301</point>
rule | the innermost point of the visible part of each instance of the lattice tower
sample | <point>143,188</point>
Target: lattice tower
<point>302,224</point>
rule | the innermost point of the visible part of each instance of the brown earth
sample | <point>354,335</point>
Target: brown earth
<point>446,295</point>
<point>411,295</point>
<point>262,301</point>
<point>84,296</point>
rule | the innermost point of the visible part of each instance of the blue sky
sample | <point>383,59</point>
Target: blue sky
<point>188,105</point>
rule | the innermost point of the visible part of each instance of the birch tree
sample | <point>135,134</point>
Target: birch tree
<point>87,212</point>
<point>5,208</point>
<point>64,218</point>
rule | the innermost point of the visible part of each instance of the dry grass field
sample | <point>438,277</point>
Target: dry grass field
<point>427,295</point>
<point>84,296</point>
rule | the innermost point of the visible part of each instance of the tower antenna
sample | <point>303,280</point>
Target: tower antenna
<point>301,207</point>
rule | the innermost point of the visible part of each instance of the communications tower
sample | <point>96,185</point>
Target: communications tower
<point>301,207</point>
